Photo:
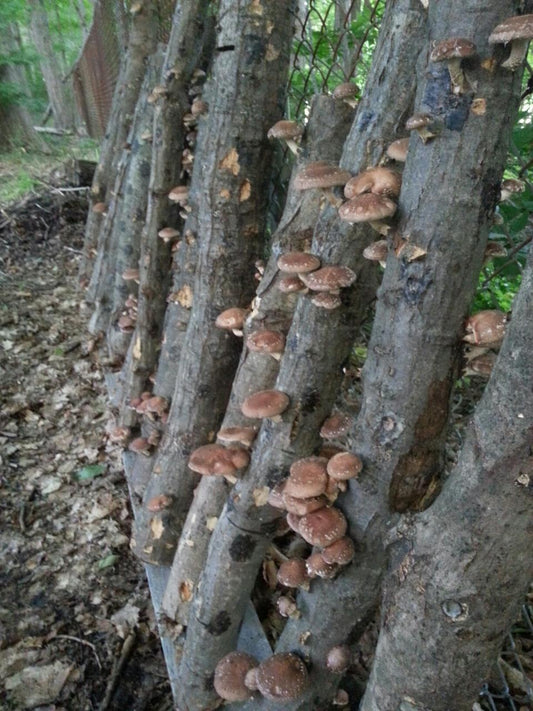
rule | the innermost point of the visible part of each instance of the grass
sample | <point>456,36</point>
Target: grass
<point>24,171</point>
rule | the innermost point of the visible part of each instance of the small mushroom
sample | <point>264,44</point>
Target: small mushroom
<point>292,573</point>
<point>335,426</point>
<point>282,677</point>
<point>298,262</point>
<point>179,194</point>
<point>242,435</point>
<point>339,658</point>
<point>369,208</point>
<point>397,150</point>
<point>341,552</point>
<point>232,320</point>
<point>518,30</point>
<point>168,234</point>
<point>270,342</point>
<point>324,176</point>
<point>307,478</point>
<point>290,284</point>
<point>510,187</point>
<point>317,567</point>
<point>378,180</point>
<point>323,527</point>
<point>485,328</point>
<point>347,91</point>
<point>230,673</point>
<point>423,124</point>
<point>330,278</point>
<point>453,51</point>
<point>481,365</point>
<point>344,466</point>
<point>265,403</point>
<point>326,300</point>
<point>216,460</point>
<point>377,252</point>
<point>288,131</point>
<point>492,250</point>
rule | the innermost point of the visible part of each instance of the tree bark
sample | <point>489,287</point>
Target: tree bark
<point>141,43</point>
<point>329,122</point>
<point>227,195</point>
<point>318,343</point>
<point>461,569</point>
<point>188,49</point>
<point>450,189</point>
<point>59,92</point>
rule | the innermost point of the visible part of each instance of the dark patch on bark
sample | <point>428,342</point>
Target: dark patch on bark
<point>209,683</point>
<point>440,101</point>
<point>415,481</point>
<point>241,548</point>
<point>416,283</point>
<point>268,528</point>
<point>389,429</point>
<point>274,476</point>
<point>364,120</point>
<point>219,624</point>
<point>490,194</point>
<point>434,416</point>
<point>310,401</point>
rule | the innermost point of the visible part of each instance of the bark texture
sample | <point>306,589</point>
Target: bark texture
<point>461,569</point>
<point>59,92</point>
<point>450,189</point>
<point>329,123</point>
<point>142,40</point>
<point>188,49</point>
<point>318,343</point>
<point>228,187</point>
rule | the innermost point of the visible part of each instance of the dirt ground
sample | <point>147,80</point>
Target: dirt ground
<point>75,619</point>
<point>77,631</point>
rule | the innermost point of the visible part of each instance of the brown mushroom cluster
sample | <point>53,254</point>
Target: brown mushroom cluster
<point>280,678</point>
<point>371,197</point>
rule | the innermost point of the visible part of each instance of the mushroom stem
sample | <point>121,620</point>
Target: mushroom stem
<point>380,227</point>
<point>517,56</point>
<point>457,77</point>
<point>292,146</point>
<point>332,198</point>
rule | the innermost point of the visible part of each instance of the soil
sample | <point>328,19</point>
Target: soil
<point>74,604</point>
<point>77,631</point>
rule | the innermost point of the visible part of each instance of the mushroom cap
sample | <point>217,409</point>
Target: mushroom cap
<point>512,185</point>
<point>517,27</point>
<point>341,552</point>
<point>282,676</point>
<point>157,404</point>
<point>335,426</point>
<point>290,284</point>
<point>131,274</point>
<point>242,435</point>
<point>329,278</point>
<point>323,527</point>
<point>397,150</point>
<point>377,251</point>
<point>481,365</point>
<point>231,318</point>
<point>139,444</point>
<point>179,194</point>
<point>417,121</point>
<point>451,48</point>
<point>346,90</point>
<point>367,208</point>
<point>325,300</point>
<point>308,477</point>
<point>99,207</point>
<point>265,403</point>
<point>216,460</point>
<point>300,506</point>
<point>485,328</point>
<point>285,129</point>
<point>343,466</point>
<point>292,573</point>
<point>298,262</point>
<point>379,180</point>
<point>321,174</point>
<point>230,673</point>
<point>266,342</point>
<point>317,567</point>
<point>168,233</point>
<point>339,658</point>
<point>494,249</point>
<point>159,503</point>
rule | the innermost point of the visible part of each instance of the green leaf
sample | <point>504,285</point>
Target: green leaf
<point>108,561</point>
<point>89,472</point>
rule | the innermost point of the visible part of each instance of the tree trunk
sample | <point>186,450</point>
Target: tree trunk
<point>228,215</point>
<point>413,351</point>
<point>329,122</point>
<point>16,126</point>
<point>462,568</point>
<point>141,44</point>
<point>317,345</point>
<point>59,93</point>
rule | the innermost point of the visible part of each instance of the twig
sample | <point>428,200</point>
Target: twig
<point>120,663</point>
<point>81,641</point>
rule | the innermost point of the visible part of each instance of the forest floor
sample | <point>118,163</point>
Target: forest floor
<point>73,600</point>
<point>77,631</point>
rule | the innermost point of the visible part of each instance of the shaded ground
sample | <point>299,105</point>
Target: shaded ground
<point>72,598</point>
<point>76,627</point>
